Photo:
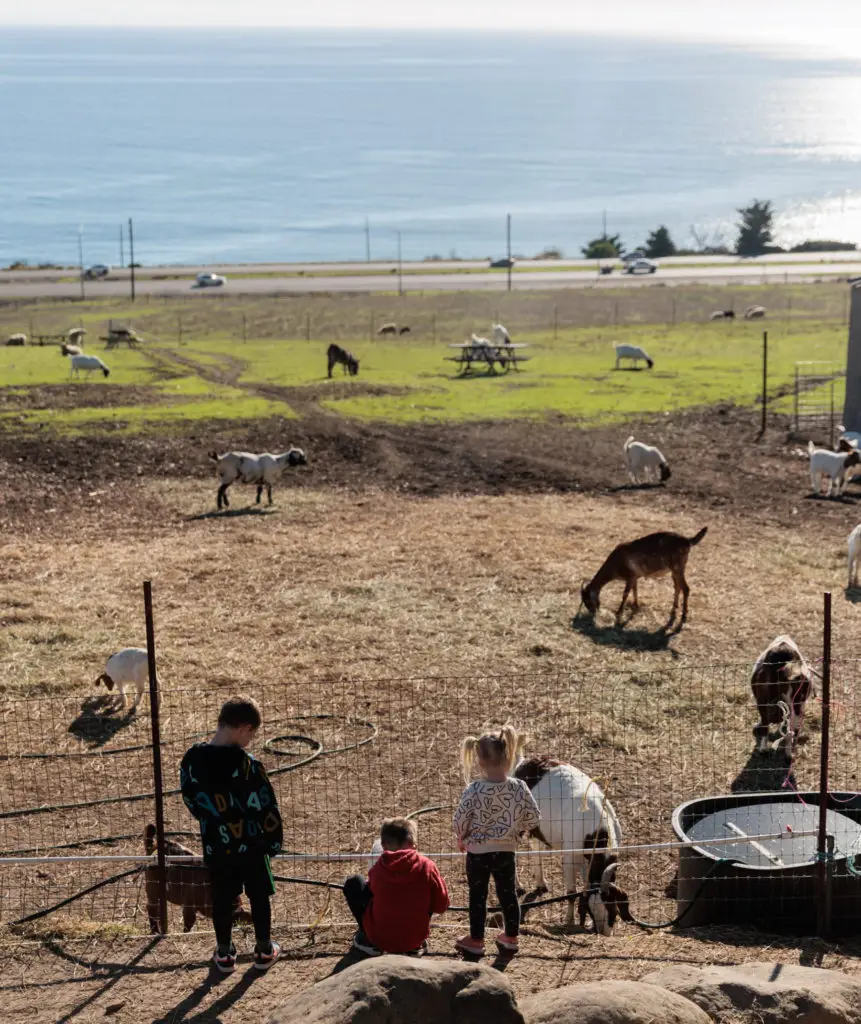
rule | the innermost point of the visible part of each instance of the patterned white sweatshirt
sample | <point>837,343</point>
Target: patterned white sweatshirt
<point>492,815</point>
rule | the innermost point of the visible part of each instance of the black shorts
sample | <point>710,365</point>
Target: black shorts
<point>249,871</point>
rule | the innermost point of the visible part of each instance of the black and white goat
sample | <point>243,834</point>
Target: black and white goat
<point>576,815</point>
<point>781,682</point>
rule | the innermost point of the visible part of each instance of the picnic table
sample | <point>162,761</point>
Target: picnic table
<point>488,356</point>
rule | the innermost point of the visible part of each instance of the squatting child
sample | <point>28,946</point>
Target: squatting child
<point>393,907</point>
<point>493,812</point>
<point>229,793</point>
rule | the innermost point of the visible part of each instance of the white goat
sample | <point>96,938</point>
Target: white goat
<point>754,313</point>
<point>837,466</point>
<point>854,544</point>
<point>16,339</point>
<point>128,666</point>
<point>645,461</point>
<point>500,335</point>
<point>88,364</point>
<point>69,350</point>
<point>262,470</point>
<point>633,352</point>
<point>76,335</point>
<point>575,815</point>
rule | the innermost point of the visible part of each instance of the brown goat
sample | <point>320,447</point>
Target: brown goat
<point>188,886</point>
<point>781,682</point>
<point>653,555</point>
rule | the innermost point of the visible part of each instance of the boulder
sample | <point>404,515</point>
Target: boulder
<point>406,990</point>
<point>610,1002</point>
<point>773,993</point>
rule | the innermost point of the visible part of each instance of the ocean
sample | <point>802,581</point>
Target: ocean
<point>235,146</point>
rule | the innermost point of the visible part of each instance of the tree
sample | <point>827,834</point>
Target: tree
<point>660,244</point>
<point>755,228</point>
<point>604,247</point>
<point>823,245</point>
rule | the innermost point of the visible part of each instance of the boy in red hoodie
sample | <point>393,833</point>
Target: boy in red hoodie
<point>394,906</point>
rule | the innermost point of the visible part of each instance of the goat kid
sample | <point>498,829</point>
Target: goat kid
<point>836,466</point>
<point>645,461</point>
<point>781,682</point>
<point>576,815</point>
<point>188,886</point>
<point>654,555</point>
<point>335,354</point>
<point>263,470</point>
<point>128,667</point>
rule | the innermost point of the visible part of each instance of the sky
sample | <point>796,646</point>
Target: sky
<point>832,26</point>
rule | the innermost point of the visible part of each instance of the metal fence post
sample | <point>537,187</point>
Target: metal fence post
<point>795,402</point>
<point>155,725</point>
<point>823,916</point>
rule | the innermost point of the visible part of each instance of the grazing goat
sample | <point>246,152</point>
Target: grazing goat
<point>262,470</point>
<point>633,352</point>
<point>500,335</point>
<point>336,354</point>
<point>16,339</point>
<point>837,466</point>
<point>653,555</point>
<point>575,815</point>
<point>88,364</point>
<point>854,545</point>
<point>723,314</point>
<point>69,350</point>
<point>645,461</point>
<point>392,329</point>
<point>188,886</point>
<point>126,667</point>
<point>781,682</point>
<point>754,313</point>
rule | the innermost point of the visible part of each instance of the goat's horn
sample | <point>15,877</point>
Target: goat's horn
<point>608,876</point>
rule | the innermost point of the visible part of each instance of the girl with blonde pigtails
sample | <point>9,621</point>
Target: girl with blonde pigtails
<point>494,811</point>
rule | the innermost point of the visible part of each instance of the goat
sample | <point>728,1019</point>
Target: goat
<point>723,314</point>
<point>76,335</point>
<point>69,350</point>
<point>336,354</point>
<point>88,364</point>
<point>500,335</point>
<point>854,545</point>
<point>781,682</point>
<point>653,555</point>
<point>849,440</point>
<point>262,470</point>
<point>837,466</point>
<point>387,329</point>
<point>130,665</point>
<point>16,339</point>
<point>754,313</point>
<point>645,460</point>
<point>633,352</point>
<point>188,886</point>
<point>404,329</point>
<point>575,815</point>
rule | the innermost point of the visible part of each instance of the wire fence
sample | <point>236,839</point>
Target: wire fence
<point>77,791</point>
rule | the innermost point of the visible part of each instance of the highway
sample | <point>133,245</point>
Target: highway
<point>273,279</point>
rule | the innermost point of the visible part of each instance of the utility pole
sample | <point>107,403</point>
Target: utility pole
<point>132,256</point>
<point>122,261</point>
<point>367,241</point>
<point>81,258</point>
<point>508,237</point>
<point>400,268</point>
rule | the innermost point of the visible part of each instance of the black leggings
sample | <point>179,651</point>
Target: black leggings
<point>479,868</point>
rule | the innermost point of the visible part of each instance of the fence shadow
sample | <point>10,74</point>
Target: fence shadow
<point>621,488</point>
<point>626,639</point>
<point>94,726</point>
<point>765,773</point>
<point>230,513</point>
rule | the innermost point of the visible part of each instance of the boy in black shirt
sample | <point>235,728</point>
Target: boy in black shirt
<point>229,793</point>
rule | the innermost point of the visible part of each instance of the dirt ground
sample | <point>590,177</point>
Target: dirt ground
<point>429,576</point>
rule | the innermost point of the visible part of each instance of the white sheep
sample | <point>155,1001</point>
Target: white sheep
<point>837,466</point>
<point>633,352</point>
<point>754,313</point>
<point>262,470</point>
<point>16,339</point>
<point>128,666</point>
<point>645,461</point>
<point>88,364</point>
<point>854,545</point>
<point>500,335</point>
<point>576,815</point>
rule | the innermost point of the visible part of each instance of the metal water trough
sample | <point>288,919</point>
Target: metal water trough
<point>772,884</point>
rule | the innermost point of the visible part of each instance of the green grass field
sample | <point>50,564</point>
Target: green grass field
<point>202,371</point>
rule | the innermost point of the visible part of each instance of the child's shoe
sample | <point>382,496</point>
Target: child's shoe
<point>225,962</point>
<point>264,960</point>
<point>507,943</point>
<point>420,951</point>
<point>467,944</point>
<point>364,945</point>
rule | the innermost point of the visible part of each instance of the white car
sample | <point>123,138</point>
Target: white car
<point>207,280</point>
<point>629,257</point>
<point>641,266</point>
<point>97,271</point>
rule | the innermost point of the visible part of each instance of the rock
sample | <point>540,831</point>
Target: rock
<point>610,1002</point>
<point>406,990</point>
<point>775,993</point>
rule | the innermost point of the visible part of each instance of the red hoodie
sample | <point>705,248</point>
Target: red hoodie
<point>407,888</point>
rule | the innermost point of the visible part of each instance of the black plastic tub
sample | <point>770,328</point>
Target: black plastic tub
<point>770,885</point>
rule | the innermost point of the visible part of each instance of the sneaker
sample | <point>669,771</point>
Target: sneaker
<point>507,943</point>
<point>467,944</point>
<point>263,961</point>
<point>420,951</point>
<point>225,962</point>
<point>364,944</point>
